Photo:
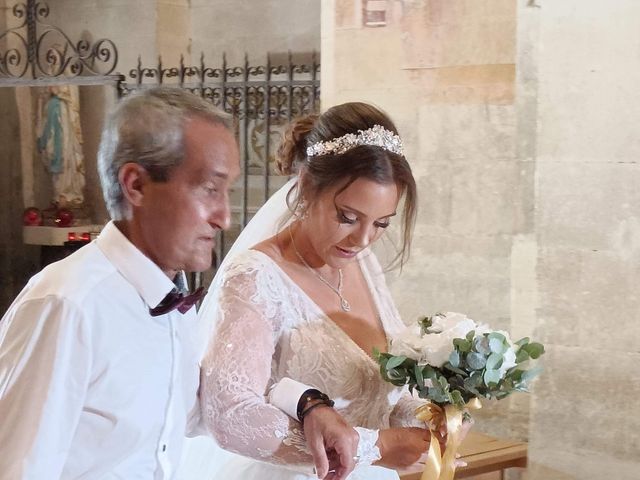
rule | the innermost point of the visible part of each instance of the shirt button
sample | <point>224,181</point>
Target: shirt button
<point>164,447</point>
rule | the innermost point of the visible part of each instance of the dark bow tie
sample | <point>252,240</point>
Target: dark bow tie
<point>175,299</point>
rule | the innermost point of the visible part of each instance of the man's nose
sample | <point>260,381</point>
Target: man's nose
<point>220,215</point>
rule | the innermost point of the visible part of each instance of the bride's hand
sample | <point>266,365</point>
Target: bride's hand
<point>401,447</point>
<point>333,443</point>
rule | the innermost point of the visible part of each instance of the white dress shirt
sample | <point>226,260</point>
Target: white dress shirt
<point>91,385</point>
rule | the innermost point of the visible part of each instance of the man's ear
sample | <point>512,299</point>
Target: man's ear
<point>133,178</point>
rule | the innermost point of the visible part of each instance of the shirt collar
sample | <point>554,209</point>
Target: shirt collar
<point>147,278</point>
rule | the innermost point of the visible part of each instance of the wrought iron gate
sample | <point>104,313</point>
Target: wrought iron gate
<point>262,100</point>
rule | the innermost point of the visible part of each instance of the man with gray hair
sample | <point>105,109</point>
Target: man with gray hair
<point>99,354</point>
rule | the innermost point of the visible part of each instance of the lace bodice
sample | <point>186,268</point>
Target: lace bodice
<point>267,328</point>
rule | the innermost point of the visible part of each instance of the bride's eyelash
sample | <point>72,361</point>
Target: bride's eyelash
<point>342,218</point>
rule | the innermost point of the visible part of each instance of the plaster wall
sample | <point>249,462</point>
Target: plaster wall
<point>255,27</point>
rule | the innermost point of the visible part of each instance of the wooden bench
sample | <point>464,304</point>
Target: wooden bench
<point>483,454</point>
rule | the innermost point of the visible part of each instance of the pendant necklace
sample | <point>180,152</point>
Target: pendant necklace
<point>344,303</point>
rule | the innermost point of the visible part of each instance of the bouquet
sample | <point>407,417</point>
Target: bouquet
<point>451,361</point>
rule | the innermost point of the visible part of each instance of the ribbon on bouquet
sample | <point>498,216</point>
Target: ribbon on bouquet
<point>437,466</point>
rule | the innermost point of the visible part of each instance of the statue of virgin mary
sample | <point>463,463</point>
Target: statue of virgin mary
<point>60,143</point>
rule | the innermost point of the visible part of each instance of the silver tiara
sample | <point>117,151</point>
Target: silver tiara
<point>377,136</point>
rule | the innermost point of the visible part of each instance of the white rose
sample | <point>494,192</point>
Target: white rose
<point>437,347</point>
<point>407,343</point>
<point>434,348</point>
<point>457,322</point>
<point>463,327</point>
<point>447,321</point>
<point>437,352</point>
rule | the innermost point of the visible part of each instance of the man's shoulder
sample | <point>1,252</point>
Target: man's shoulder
<point>74,277</point>
<point>70,287</point>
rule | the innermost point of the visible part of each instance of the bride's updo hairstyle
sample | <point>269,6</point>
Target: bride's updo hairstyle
<point>324,170</point>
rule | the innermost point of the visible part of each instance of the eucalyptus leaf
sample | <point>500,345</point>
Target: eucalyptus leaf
<point>491,376</point>
<point>399,382</point>
<point>515,375</point>
<point>396,374</point>
<point>475,380</point>
<point>476,361</point>
<point>473,390</point>
<point>522,355</point>
<point>436,390</point>
<point>418,373</point>
<point>429,372</point>
<point>454,359</point>
<point>534,349</point>
<point>456,382</point>
<point>394,362</point>
<point>481,344</point>
<point>462,345</point>
<point>494,361</point>
<point>523,341</point>
<point>438,396</point>
<point>497,335</point>
<point>531,374</point>
<point>459,371</point>
<point>457,399</point>
<point>497,345</point>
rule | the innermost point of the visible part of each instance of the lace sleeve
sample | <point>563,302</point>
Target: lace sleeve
<point>236,373</point>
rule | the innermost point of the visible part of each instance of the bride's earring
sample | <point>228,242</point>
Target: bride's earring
<point>301,210</point>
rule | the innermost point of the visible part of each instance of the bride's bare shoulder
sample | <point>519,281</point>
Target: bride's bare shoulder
<point>271,247</point>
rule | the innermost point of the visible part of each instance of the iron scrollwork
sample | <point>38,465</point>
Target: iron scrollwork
<point>289,90</point>
<point>38,50</point>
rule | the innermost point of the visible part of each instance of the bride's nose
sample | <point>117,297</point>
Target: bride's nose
<point>363,236</point>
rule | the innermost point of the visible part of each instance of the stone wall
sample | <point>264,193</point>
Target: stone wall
<point>584,420</point>
<point>519,119</point>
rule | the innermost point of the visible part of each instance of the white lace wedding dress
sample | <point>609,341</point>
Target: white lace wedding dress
<point>268,328</point>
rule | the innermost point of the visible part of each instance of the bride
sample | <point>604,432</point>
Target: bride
<point>301,295</point>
